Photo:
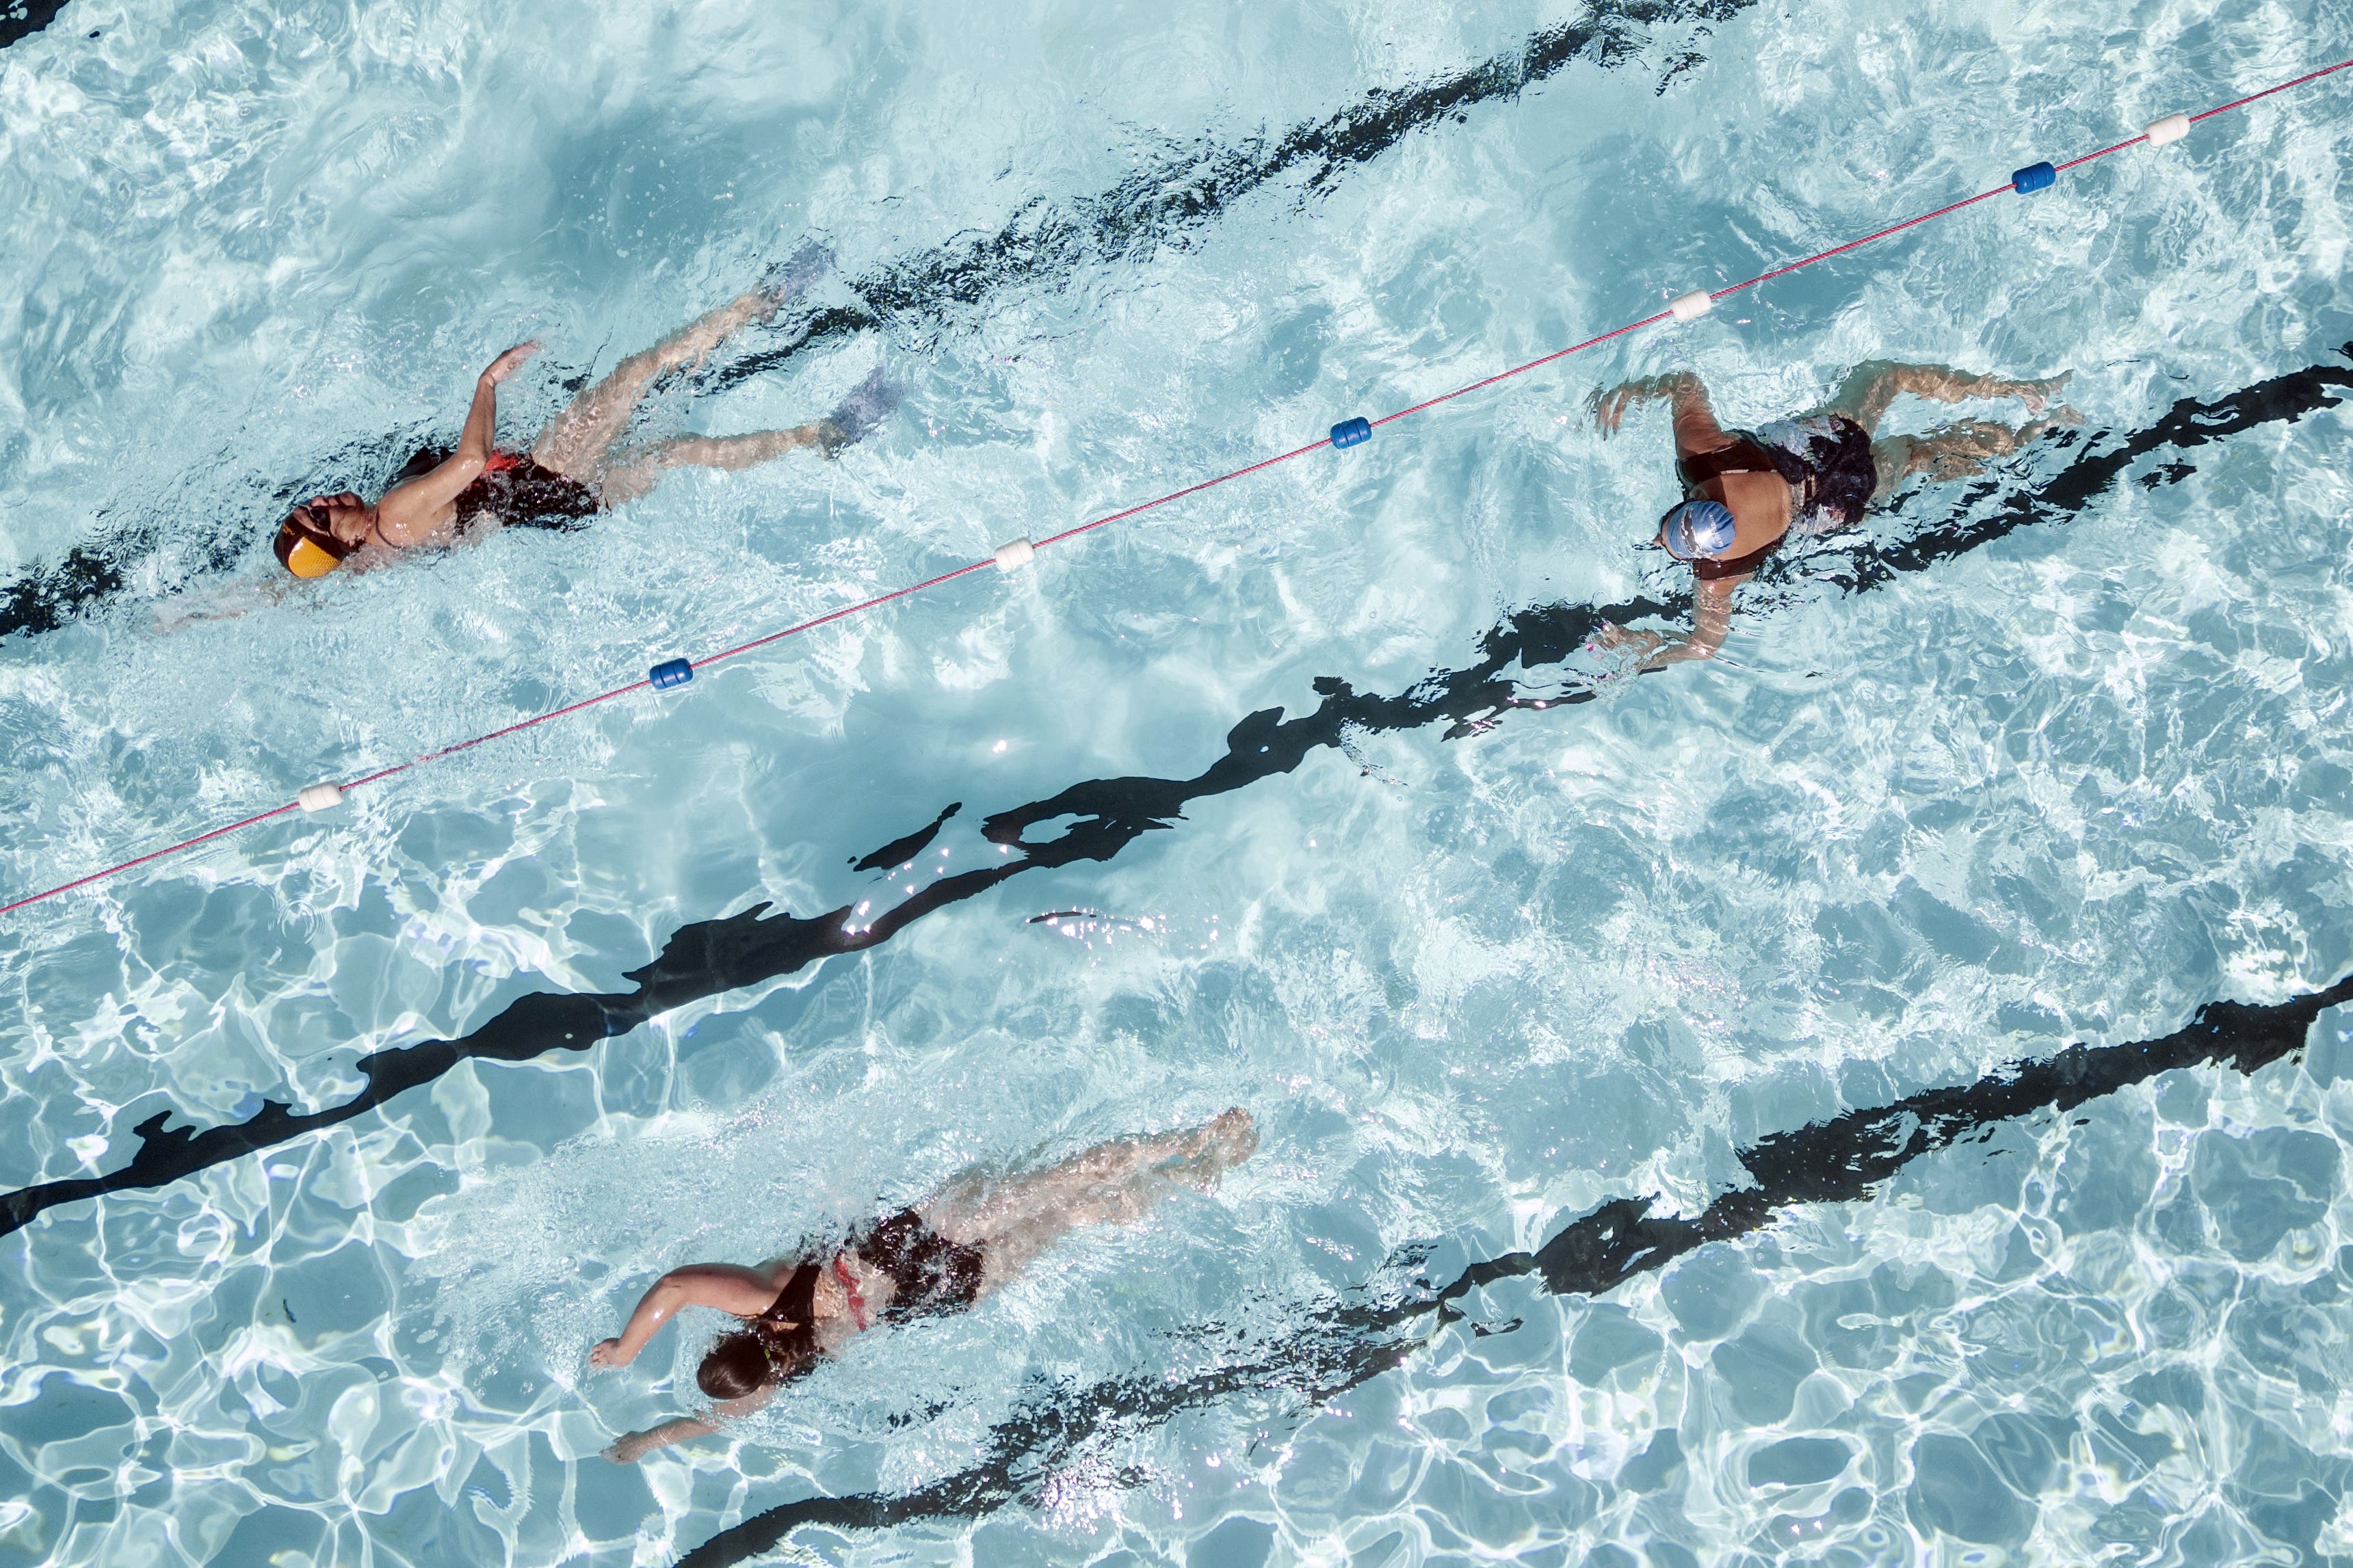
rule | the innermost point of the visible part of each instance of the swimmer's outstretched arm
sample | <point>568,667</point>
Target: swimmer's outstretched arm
<point>746,1292</point>
<point>1695,426</point>
<point>224,603</point>
<point>408,514</point>
<point>629,1448</point>
<point>1711,624</point>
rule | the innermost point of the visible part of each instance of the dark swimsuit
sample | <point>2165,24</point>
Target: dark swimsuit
<point>515,491</point>
<point>792,1349</point>
<point>1835,474</point>
<point>934,1275</point>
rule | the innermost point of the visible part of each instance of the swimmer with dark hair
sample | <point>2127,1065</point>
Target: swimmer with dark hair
<point>937,1258</point>
<point>580,464</point>
<point>1747,491</point>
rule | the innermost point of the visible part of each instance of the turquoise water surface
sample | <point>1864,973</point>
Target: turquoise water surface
<point>1513,935</point>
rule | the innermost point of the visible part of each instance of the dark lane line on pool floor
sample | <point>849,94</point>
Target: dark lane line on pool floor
<point>945,289</point>
<point>1045,242</point>
<point>23,19</point>
<point>708,958</point>
<point>1336,1346</point>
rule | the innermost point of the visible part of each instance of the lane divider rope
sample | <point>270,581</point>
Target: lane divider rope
<point>1015,554</point>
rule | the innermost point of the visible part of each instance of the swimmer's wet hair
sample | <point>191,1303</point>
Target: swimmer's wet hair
<point>747,1360</point>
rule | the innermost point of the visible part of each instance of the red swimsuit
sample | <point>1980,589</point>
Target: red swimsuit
<point>857,1301</point>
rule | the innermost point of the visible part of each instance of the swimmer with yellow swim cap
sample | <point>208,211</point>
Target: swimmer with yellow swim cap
<point>577,467</point>
<point>308,544</point>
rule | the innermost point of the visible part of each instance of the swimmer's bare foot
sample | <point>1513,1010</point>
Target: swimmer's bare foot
<point>2060,419</point>
<point>794,275</point>
<point>2037,394</point>
<point>1204,1154</point>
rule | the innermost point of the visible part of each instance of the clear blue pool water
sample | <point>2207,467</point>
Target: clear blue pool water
<point>2069,785</point>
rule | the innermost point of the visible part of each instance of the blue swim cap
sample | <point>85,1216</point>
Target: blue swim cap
<point>1698,528</point>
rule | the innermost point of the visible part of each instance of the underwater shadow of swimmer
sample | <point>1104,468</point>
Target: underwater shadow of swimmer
<point>1337,1346</point>
<point>752,947</point>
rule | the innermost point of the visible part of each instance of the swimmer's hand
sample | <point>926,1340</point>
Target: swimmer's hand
<point>609,1355</point>
<point>1609,407</point>
<point>2037,394</point>
<point>507,364</point>
<point>629,1450</point>
<point>1614,637</point>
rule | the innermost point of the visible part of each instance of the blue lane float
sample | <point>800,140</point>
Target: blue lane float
<point>671,672</point>
<point>2033,178</point>
<point>1352,432</point>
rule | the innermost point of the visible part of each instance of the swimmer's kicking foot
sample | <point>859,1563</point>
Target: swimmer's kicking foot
<point>795,274</point>
<point>860,414</point>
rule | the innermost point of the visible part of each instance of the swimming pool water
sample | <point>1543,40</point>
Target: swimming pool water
<point>1477,970</point>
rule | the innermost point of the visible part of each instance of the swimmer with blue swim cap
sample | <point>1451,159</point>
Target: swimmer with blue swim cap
<point>1698,529</point>
<point>1744,492</point>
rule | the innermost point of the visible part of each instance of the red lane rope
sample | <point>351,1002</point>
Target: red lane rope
<point>1069,533</point>
<point>1174,495</point>
<point>2254,96</point>
<point>152,855</point>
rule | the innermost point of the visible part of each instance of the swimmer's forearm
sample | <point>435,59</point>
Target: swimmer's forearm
<point>481,431</point>
<point>630,1449</point>
<point>657,1307</point>
<point>1711,624</point>
<point>1676,653</point>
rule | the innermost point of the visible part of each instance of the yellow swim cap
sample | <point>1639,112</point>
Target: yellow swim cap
<point>307,550</point>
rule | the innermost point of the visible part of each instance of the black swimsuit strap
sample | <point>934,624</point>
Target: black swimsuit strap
<point>1709,569</point>
<point>796,1302</point>
<point>1742,457</point>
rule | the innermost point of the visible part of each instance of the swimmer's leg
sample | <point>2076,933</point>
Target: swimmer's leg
<point>630,474</point>
<point>1015,1219</point>
<point>1955,451</point>
<point>578,441</point>
<point>1871,387</point>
